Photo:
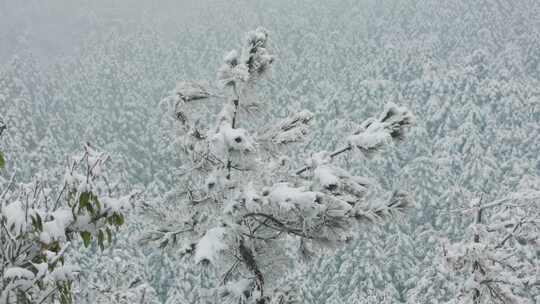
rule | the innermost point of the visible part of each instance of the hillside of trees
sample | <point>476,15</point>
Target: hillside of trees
<point>270,152</point>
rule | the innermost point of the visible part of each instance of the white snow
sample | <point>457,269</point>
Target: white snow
<point>210,245</point>
<point>374,136</point>
<point>189,90</point>
<point>237,288</point>
<point>228,139</point>
<point>18,272</point>
<point>16,217</point>
<point>285,196</point>
<point>65,272</point>
<point>251,198</point>
<point>115,204</point>
<point>231,56</point>
<point>42,269</point>
<point>55,230</point>
<point>325,176</point>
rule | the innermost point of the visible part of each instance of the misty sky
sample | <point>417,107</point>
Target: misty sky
<point>55,28</point>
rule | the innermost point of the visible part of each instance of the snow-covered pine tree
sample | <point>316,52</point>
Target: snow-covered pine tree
<point>246,197</point>
<point>496,262</point>
<point>118,276</point>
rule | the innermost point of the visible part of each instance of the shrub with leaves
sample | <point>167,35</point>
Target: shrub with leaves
<point>39,224</point>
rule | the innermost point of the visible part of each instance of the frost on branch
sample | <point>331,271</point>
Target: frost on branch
<point>243,205</point>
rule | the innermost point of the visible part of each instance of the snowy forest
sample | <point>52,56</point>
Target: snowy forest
<point>270,152</point>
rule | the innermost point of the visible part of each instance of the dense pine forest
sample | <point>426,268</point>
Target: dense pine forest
<point>182,152</point>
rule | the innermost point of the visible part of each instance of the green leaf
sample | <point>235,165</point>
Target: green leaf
<point>84,200</point>
<point>37,223</point>
<point>87,200</point>
<point>118,219</point>
<point>71,198</point>
<point>86,237</point>
<point>90,209</point>
<point>65,293</point>
<point>98,204</point>
<point>64,299</point>
<point>34,223</point>
<point>2,160</point>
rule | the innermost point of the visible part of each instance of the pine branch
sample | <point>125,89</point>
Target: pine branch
<point>375,132</point>
<point>332,155</point>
